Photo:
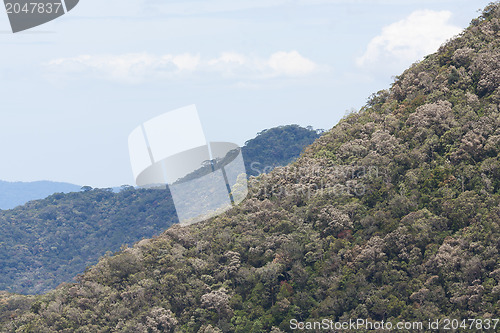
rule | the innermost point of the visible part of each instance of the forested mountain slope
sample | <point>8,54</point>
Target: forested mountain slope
<point>277,146</point>
<point>50,241</point>
<point>392,215</point>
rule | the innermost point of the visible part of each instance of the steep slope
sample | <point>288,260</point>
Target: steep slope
<point>392,215</point>
<point>50,241</point>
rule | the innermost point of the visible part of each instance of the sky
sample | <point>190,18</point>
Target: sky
<point>72,90</point>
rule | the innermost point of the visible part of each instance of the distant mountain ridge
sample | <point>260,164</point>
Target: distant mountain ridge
<point>49,241</point>
<point>13,194</point>
<point>277,146</point>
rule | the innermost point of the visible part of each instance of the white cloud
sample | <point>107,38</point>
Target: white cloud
<point>139,67</point>
<point>185,62</point>
<point>229,58</point>
<point>291,64</point>
<point>408,40</point>
<point>131,68</point>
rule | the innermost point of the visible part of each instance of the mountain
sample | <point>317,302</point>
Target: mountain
<point>391,216</point>
<point>13,194</point>
<point>278,146</point>
<point>272,147</point>
<point>50,241</point>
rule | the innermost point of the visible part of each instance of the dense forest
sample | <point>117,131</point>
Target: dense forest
<point>50,241</point>
<point>276,146</point>
<point>393,215</point>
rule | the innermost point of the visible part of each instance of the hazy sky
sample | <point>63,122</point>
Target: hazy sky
<point>73,89</point>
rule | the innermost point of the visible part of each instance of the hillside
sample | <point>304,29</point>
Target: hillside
<point>14,194</point>
<point>278,146</point>
<point>392,215</point>
<point>50,241</point>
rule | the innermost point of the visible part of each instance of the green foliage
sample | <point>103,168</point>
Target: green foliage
<point>49,241</point>
<point>277,146</point>
<point>408,230</point>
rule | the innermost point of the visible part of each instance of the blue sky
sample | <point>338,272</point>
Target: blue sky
<point>73,89</point>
